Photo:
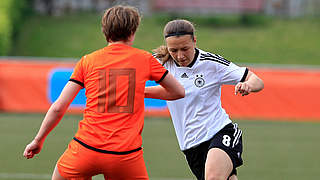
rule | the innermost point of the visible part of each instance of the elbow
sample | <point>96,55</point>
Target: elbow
<point>57,108</point>
<point>180,94</point>
<point>261,85</point>
<point>256,83</point>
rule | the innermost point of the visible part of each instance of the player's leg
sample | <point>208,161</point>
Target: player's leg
<point>123,167</point>
<point>224,153</point>
<point>233,177</point>
<point>196,158</point>
<point>218,165</point>
<point>77,162</point>
<point>56,175</point>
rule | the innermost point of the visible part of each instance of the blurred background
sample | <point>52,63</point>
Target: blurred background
<point>279,40</point>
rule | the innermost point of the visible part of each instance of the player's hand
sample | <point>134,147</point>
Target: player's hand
<point>243,88</point>
<point>32,149</point>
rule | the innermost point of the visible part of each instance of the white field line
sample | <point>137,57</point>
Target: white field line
<point>48,176</point>
<point>24,176</point>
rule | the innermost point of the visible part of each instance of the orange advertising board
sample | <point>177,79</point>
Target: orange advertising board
<point>32,86</point>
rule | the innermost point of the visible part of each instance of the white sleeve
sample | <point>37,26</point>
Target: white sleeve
<point>232,74</point>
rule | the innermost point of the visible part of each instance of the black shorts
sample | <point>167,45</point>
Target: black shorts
<point>229,139</point>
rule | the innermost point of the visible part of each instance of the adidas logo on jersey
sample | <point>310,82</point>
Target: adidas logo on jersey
<point>184,75</point>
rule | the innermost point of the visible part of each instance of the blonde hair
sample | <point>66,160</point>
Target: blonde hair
<point>120,22</point>
<point>178,27</point>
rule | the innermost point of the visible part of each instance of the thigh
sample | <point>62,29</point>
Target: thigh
<point>218,164</point>
<point>196,158</point>
<point>77,162</point>
<point>124,167</point>
<point>225,151</point>
<point>81,163</point>
<point>233,177</point>
<point>229,139</point>
<point>56,175</point>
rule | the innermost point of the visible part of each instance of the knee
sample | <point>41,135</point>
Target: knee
<point>216,176</point>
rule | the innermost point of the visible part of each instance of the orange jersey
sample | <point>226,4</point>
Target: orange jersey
<point>114,78</point>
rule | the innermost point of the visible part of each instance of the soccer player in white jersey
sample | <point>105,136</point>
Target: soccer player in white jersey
<point>211,142</point>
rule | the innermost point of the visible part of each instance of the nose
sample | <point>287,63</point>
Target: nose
<point>180,55</point>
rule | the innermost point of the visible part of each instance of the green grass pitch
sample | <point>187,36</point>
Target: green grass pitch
<point>272,149</point>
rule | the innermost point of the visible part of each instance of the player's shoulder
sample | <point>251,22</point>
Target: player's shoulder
<point>140,52</point>
<point>92,55</point>
<point>156,56</point>
<point>212,58</point>
<point>95,56</point>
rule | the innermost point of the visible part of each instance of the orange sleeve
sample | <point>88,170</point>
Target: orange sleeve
<point>157,71</point>
<point>78,73</point>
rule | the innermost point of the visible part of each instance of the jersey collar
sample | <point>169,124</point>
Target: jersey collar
<point>193,61</point>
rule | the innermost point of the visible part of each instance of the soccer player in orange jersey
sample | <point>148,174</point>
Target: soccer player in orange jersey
<point>108,140</point>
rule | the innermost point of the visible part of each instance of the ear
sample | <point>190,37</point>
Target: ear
<point>131,39</point>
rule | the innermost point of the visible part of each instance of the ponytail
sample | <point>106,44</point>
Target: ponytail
<point>162,54</point>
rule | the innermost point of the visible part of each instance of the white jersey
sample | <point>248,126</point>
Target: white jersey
<point>199,116</point>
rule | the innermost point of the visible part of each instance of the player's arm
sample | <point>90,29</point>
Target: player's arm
<point>169,89</point>
<point>252,83</point>
<point>52,118</point>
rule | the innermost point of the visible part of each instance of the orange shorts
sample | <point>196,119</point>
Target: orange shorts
<point>78,163</point>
